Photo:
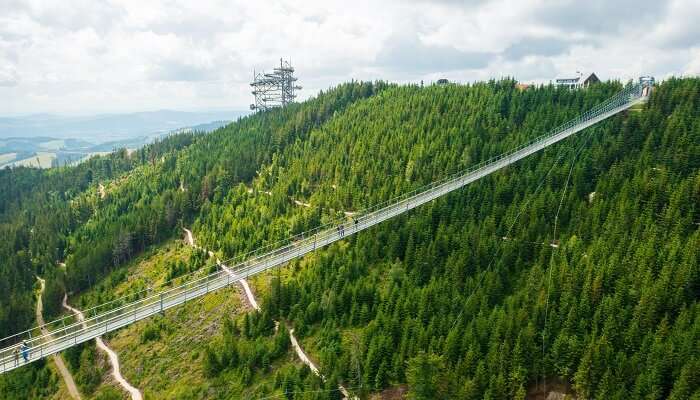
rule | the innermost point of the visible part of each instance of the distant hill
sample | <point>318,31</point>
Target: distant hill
<point>107,127</point>
<point>48,151</point>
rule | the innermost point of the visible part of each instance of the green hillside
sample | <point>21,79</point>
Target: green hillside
<point>476,295</point>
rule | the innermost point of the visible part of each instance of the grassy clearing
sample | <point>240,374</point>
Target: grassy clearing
<point>7,157</point>
<point>162,356</point>
<point>41,159</point>
<point>61,389</point>
<point>149,269</point>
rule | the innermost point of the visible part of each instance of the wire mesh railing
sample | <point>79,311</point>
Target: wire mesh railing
<point>69,331</point>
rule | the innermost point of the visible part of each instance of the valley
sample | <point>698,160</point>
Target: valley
<point>50,152</point>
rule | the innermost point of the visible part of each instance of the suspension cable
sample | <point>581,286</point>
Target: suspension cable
<point>555,248</point>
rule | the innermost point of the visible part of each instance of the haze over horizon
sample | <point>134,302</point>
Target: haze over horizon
<point>84,114</point>
<point>126,56</point>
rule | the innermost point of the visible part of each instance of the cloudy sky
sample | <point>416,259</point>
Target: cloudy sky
<point>89,56</point>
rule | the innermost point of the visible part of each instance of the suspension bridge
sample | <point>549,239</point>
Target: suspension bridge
<point>53,337</point>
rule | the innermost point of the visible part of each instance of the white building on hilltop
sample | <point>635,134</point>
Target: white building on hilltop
<point>577,82</point>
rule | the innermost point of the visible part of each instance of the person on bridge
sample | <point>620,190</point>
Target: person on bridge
<point>16,354</point>
<point>25,351</point>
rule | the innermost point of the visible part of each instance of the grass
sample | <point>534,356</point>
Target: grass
<point>7,157</point>
<point>147,270</point>
<point>162,355</point>
<point>41,159</point>
<point>169,365</point>
<point>61,389</point>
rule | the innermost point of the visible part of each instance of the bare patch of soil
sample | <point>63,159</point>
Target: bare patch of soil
<point>555,389</point>
<point>392,393</point>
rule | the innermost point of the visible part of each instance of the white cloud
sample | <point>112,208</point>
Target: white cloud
<point>126,55</point>
<point>8,76</point>
<point>681,29</point>
<point>692,68</point>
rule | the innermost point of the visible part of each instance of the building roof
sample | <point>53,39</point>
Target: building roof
<point>581,79</point>
<point>592,78</point>
<point>568,80</point>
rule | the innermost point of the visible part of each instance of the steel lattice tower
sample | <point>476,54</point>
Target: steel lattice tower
<point>275,89</point>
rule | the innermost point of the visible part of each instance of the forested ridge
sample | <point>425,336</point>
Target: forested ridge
<point>450,301</point>
<point>40,208</point>
<point>448,298</point>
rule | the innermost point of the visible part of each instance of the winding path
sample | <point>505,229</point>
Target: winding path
<point>253,303</point>
<point>244,283</point>
<point>302,356</point>
<point>301,203</point>
<point>113,358</point>
<point>246,289</point>
<point>57,359</point>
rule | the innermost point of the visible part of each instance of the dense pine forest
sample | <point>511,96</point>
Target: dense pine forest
<point>577,267</point>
